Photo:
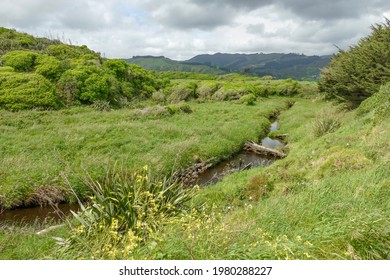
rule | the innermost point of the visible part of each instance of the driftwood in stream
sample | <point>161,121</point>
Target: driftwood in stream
<point>281,136</point>
<point>189,175</point>
<point>258,149</point>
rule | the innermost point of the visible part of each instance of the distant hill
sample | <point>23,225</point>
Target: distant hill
<point>161,63</point>
<point>278,65</point>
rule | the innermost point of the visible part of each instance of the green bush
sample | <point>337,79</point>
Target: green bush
<point>356,74</point>
<point>288,88</point>
<point>63,51</point>
<point>22,61</point>
<point>26,91</point>
<point>6,69</point>
<point>70,85</point>
<point>206,89</point>
<point>95,88</point>
<point>118,67</point>
<point>181,107</point>
<point>142,82</point>
<point>248,99</point>
<point>182,92</point>
<point>49,67</point>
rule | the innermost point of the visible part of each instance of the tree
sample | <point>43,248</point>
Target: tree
<point>358,73</point>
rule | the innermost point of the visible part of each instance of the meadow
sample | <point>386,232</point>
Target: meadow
<point>326,200</point>
<point>41,152</point>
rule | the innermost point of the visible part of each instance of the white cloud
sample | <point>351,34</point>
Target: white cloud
<point>180,29</point>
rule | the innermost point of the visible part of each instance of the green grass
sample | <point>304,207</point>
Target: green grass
<point>19,241</point>
<point>329,198</point>
<point>40,149</point>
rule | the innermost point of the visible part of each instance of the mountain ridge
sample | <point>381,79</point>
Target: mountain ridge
<point>278,65</point>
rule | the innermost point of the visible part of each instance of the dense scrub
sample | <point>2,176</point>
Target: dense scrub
<point>358,73</point>
<point>65,75</point>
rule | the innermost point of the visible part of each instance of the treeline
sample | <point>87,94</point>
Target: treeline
<point>39,73</point>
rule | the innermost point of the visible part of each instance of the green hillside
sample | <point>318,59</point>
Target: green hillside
<point>278,65</point>
<point>161,63</point>
<point>47,74</point>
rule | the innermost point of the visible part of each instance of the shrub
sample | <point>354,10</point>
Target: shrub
<point>49,67</point>
<point>182,92</point>
<point>118,67</point>
<point>63,51</point>
<point>22,61</point>
<point>95,88</point>
<point>142,82</point>
<point>248,99</point>
<point>288,88</point>
<point>231,91</point>
<point>356,74</point>
<point>70,85</point>
<point>158,96</point>
<point>207,89</point>
<point>182,107</point>
<point>26,91</point>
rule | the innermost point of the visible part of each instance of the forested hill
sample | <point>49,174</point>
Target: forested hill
<point>161,63</point>
<point>278,65</point>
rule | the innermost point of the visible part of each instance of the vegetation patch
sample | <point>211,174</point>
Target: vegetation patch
<point>125,211</point>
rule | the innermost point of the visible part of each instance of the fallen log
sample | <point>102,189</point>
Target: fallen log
<point>259,149</point>
<point>280,136</point>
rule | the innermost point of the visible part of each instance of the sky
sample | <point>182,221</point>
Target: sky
<point>181,29</point>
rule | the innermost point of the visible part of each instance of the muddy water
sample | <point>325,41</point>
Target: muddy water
<point>30,215</point>
<point>240,161</point>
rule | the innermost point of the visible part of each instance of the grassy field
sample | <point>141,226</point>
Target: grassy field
<point>327,200</point>
<point>40,149</point>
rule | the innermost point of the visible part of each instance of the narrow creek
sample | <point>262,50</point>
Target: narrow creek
<point>238,162</point>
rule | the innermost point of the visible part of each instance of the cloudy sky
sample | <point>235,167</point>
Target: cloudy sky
<point>180,29</point>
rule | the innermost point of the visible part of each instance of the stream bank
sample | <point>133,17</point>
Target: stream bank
<point>204,173</point>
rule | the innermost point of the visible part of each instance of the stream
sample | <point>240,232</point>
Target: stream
<point>238,162</point>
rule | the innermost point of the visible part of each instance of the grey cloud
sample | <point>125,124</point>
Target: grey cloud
<point>333,9</point>
<point>72,14</point>
<point>209,14</point>
<point>256,29</point>
<point>182,15</point>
